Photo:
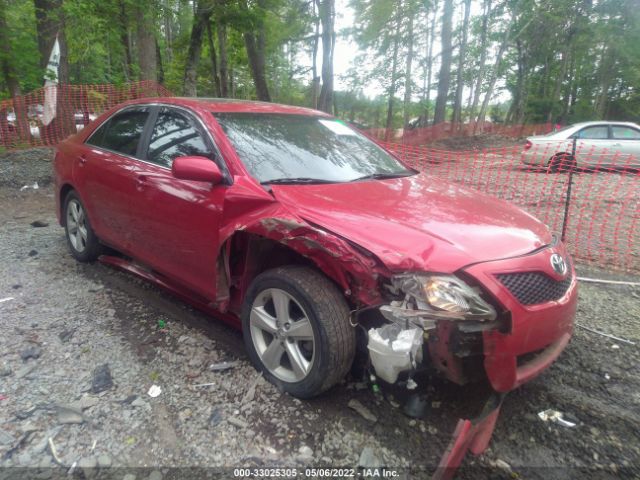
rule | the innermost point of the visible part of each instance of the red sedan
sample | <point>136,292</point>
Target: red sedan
<point>300,230</point>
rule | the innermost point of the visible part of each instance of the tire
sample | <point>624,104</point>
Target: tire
<point>316,340</point>
<point>83,242</point>
<point>562,162</point>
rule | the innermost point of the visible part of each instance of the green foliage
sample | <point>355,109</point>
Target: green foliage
<point>564,60</point>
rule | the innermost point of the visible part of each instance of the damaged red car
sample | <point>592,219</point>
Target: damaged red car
<point>313,239</point>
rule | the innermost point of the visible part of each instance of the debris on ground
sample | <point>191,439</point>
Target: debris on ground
<point>238,422</point>
<point>362,410</point>
<point>305,453</point>
<point>101,379</point>
<point>368,459</point>
<point>68,414</point>
<point>221,366</point>
<point>30,352</point>
<point>251,391</point>
<point>66,335</point>
<point>35,186</point>
<point>39,224</point>
<point>154,391</point>
<point>555,417</point>
<point>608,335</point>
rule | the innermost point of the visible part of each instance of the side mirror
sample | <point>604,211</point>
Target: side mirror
<point>199,169</point>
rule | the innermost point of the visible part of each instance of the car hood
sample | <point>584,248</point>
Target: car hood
<point>418,222</point>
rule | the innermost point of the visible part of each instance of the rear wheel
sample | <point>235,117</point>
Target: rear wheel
<point>83,243</point>
<point>562,162</point>
<point>296,329</point>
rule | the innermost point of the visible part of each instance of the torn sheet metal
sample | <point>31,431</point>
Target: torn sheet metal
<point>354,271</point>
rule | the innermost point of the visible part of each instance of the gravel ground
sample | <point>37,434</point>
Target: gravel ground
<point>65,321</point>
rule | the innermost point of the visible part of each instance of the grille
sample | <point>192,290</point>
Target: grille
<point>531,288</point>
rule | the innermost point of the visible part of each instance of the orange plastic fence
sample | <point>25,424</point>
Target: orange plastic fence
<point>604,206</point>
<point>424,135</point>
<point>22,120</point>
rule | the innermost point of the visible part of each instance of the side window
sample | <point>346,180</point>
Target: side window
<point>600,132</point>
<point>625,133</point>
<point>122,132</point>
<point>175,135</point>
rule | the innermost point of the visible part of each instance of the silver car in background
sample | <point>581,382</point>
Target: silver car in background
<point>598,144</point>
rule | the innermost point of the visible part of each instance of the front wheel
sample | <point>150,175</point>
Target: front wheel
<point>296,330</point>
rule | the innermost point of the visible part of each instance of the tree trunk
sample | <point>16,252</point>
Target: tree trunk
<point>326,11</point>
<point>49,25</point>
<point>496,70</point>
<point>432,36</point>
<point>146,42</point>
<point>125,40</point>
<point>394,70</point>
<point>483,58</point>
<point>315,79</point>
<point>11,78</point>
<point>221,30</point>
<point>200,22</point>
<point>254,41</point>
<point>214,61</point>
<point>606,75</point>
<point>492,83</point>
<point>559,79</point>
<point>407,74</point>
<point>254,44</point>
<point>444,78</point>
<point>168,31</point>
<point>457,105</point>
<point>566,101</point>
<point>160,65</point>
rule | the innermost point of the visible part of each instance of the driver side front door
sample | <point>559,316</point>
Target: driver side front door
<point>178,220</point>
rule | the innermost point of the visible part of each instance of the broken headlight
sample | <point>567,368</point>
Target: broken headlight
<point>442,296</point>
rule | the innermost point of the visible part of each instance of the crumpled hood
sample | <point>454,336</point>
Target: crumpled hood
<point>418,223</point>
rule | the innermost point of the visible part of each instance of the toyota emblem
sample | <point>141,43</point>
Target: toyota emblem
<point>558,264</point>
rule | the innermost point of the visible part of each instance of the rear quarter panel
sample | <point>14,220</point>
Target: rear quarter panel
<point>63,164</point>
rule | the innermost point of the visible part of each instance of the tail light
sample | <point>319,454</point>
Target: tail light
<point>527,145</point>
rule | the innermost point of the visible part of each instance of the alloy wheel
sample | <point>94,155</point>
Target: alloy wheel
<point>282,335</point>
<point>77,226</point>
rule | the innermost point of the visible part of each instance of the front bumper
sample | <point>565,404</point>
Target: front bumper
<point>537,333</point>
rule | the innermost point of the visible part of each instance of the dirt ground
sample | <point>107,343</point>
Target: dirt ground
<point>65,320</point>
<point>474,142</point>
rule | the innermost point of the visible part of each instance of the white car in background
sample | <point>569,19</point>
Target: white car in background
<point>597,144</point>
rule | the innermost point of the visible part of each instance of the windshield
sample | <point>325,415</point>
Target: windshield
<point>294,148</point>
<point>563,129</point>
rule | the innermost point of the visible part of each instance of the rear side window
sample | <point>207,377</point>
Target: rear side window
<point>625,133</point>
<point>122,132</point>
<point>175,135</point>
<point>601,132</point>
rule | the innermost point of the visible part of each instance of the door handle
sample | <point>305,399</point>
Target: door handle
<point>82,160</point>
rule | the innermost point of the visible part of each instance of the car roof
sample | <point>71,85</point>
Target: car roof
<point>604,122</point>
<point>227,105</point>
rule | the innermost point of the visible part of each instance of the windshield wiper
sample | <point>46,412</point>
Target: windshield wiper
<point>292,180</point>
<point>382,176</point>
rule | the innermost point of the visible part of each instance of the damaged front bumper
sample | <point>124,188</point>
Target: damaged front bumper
<point>470,435</point>
<point>468,331</point>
